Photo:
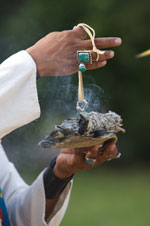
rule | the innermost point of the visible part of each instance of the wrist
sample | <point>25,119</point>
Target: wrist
<point>54,185</point>
<point>61,173</point>
<point>34,54</point>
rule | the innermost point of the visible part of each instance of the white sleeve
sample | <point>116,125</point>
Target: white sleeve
<point>18,93</point>
<point>18,106</point>
<point>26,204</point>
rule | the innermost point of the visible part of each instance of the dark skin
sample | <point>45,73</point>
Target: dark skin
<point>56,55</point>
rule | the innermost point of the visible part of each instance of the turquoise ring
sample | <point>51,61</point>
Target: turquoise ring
<point>89,161</point>
<point>82,67</point>
<point>84,56</point>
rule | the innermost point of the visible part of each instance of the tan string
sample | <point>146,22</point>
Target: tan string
<point>91,32</point>
<point>80,88</point>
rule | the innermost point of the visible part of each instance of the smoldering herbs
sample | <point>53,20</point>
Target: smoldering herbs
<point>85,130</point>
<point>109,122</point>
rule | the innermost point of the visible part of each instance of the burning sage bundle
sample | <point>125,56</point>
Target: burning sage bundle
<point>88,129</point>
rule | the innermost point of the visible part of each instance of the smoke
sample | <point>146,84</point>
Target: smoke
<point>61,95</point>
<point>94,95</point>
<point>58,97</point>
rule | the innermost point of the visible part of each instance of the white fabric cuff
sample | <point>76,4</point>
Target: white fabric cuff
<point>18,92</point>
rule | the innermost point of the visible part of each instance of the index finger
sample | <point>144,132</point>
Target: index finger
<point>79,32</point>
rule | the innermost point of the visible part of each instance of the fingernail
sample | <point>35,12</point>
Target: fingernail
<point>111,53</point>
<point>118,41</point>
<point>109,159</point>
<point>118,156</point>
<point>103,62</point>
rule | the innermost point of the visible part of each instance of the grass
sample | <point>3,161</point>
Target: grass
<point>109,199</point>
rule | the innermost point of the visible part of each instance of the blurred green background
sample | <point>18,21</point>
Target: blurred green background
<point>117,193</point>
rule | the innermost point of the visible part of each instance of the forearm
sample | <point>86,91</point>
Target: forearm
<point>49,207</point>
<point>53,186</point>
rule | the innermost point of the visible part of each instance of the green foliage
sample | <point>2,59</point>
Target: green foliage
<point>110,199</point>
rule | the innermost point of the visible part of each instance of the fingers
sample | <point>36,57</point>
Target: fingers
<point>78,159</point>
<point>106,55</point>
<point>102,43</point>
<point>96,65</point>
<point>80,155</point>
<point>102,154</point>
<point>109,54</point>
<point>102,61</point>
<point>109,151</point>
<point>79,32</point>
<point>93,152</point>
<point>96,155</point>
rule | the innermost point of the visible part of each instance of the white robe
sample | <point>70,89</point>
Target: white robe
<point>18,106</point>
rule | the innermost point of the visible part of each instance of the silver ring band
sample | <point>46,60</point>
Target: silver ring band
<point>89,161</point>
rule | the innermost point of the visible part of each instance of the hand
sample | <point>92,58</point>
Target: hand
<point>56,53</point>
<point>71,161</point>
